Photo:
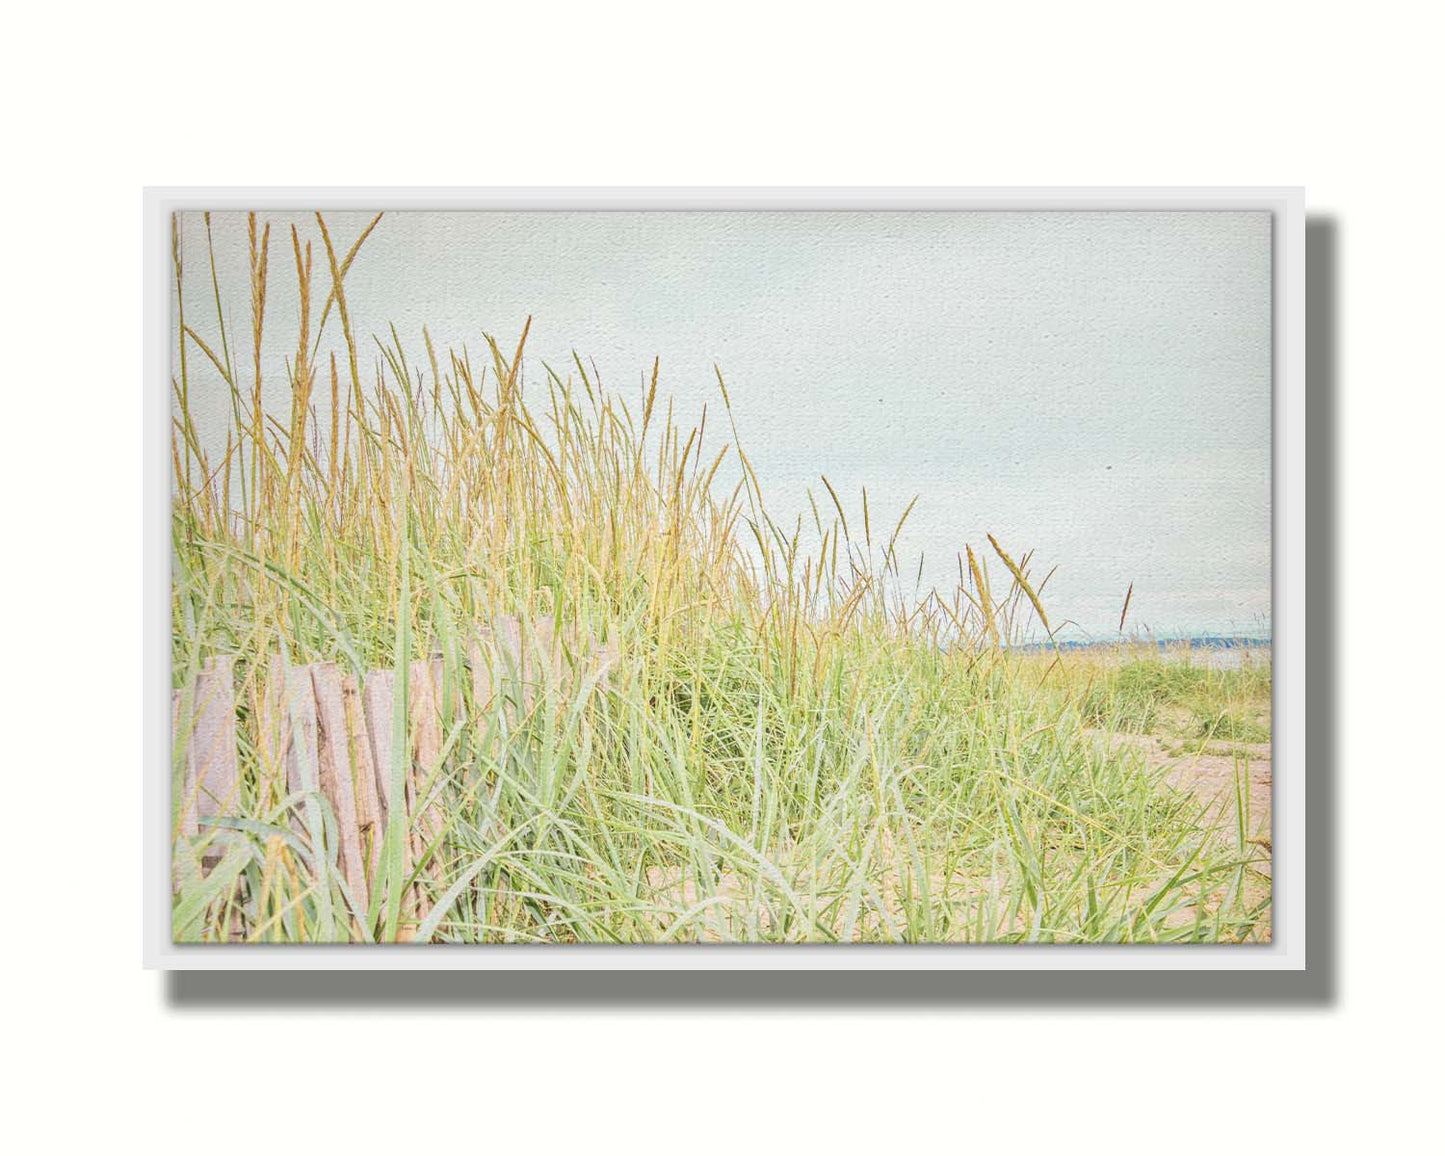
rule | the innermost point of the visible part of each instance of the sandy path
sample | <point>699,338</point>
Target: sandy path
<point>1211,776</point>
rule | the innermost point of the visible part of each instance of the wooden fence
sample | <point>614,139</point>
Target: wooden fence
<point>319,729</point>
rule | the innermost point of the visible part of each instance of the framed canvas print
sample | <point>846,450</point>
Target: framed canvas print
<point>774,578</point>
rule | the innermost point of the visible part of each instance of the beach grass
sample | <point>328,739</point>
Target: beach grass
<point>760,730</point>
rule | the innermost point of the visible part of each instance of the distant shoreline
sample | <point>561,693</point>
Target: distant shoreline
<point>1186,642</point>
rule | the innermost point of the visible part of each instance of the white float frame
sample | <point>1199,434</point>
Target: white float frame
<point>1286,951</point>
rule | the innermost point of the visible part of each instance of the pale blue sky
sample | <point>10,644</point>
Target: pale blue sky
<point>1094,386</point>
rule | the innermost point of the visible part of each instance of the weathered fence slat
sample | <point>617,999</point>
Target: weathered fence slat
<point>336,777</point>
<point>210,774</point>
<point>378,698</point>
<point>369,819</point>
<point>273,722</point>
<point>302,753</point>
<point>426,730</point>
<point>481,678</point>
<point>211,782</point>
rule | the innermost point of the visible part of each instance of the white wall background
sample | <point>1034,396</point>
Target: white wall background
<point>1091,386</point>
<point>102,102</point>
